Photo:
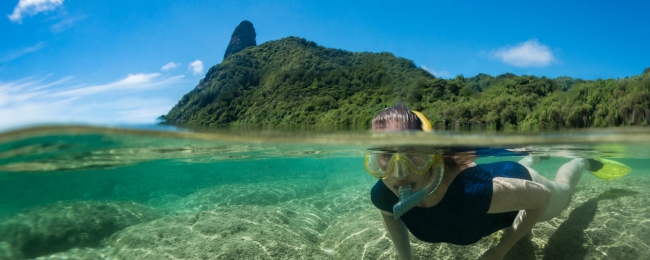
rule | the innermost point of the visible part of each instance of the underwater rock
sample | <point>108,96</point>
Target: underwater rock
<point>606,220</point>
<point>235,232</point>
<point>359,236</point>
<point>243,36</point>
<point>264,194</point>
<point>292,229</point>
<point>362,236</point>
<point>330,207</point>
<point>61,226</point>
<point>80,254</point>
<point>259,194</point>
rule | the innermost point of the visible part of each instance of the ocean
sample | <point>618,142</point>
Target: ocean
<point>91,192</point>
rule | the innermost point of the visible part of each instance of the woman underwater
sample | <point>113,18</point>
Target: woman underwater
<point>451,199</point>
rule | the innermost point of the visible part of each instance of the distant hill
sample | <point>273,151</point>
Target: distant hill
<point>242,38</point>
<point>295,83</point>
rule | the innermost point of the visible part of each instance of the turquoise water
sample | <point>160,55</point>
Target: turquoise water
<point>69,192</point>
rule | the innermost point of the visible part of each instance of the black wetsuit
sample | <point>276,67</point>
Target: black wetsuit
<point>461,216</point>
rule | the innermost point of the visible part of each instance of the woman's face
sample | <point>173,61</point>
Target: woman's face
<point>417,181</point>
<point>403,175</point>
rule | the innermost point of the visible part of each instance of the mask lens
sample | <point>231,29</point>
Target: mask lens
<point>384,160</point>
<point>378,164</point>
<point>381,164</point>
<point>418,162</point>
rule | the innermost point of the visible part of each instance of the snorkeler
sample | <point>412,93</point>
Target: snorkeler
<point>451,199</point>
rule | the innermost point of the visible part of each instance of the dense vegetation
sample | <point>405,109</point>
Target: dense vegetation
<point>296,83</point>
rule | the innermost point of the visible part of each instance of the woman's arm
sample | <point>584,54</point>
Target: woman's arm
<point>398,234</point>
<point>530,198</point>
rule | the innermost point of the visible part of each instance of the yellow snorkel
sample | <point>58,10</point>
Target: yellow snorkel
<point>426,125</point>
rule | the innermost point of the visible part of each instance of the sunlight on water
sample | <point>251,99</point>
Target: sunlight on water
<point>79,192</point>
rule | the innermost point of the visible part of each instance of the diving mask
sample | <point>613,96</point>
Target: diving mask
<point>381,165</point>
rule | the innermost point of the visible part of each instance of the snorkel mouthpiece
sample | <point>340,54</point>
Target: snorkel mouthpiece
<point>409,199</point>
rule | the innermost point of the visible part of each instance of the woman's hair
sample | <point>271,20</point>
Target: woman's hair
<point>396,118</point>
<point>401,118</point>
<point>463,158</point>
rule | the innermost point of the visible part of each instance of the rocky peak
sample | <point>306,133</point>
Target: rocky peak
<point>242,37</point>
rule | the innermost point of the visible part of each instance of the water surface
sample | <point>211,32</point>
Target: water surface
<point>82,192</point>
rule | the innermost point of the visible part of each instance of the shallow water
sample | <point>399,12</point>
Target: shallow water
<point>79,192</point>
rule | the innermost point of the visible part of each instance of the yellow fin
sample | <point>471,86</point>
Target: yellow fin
<point>611,170</point>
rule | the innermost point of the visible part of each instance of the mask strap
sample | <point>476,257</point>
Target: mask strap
<point>426,125</point>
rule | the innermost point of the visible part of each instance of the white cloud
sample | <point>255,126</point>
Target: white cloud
<point>131,82</point>
<point>32,7</point>
<point>135,99</point>
<point>170,65</point>
<point>16,54</point>
<point>530,53</point>
<point>437,73</point>
<point>196,67</point>
<point>66,23</point>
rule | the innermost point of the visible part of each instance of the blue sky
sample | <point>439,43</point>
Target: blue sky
<point>127,62</point>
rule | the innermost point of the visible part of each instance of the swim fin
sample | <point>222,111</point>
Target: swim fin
<point>605,169</point>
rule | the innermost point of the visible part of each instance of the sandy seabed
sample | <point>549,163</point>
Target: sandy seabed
<point>301,220</point>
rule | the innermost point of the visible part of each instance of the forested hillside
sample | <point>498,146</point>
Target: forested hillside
<point>294,83</point>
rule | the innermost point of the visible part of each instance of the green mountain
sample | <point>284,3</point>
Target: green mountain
<point>294,83</point>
